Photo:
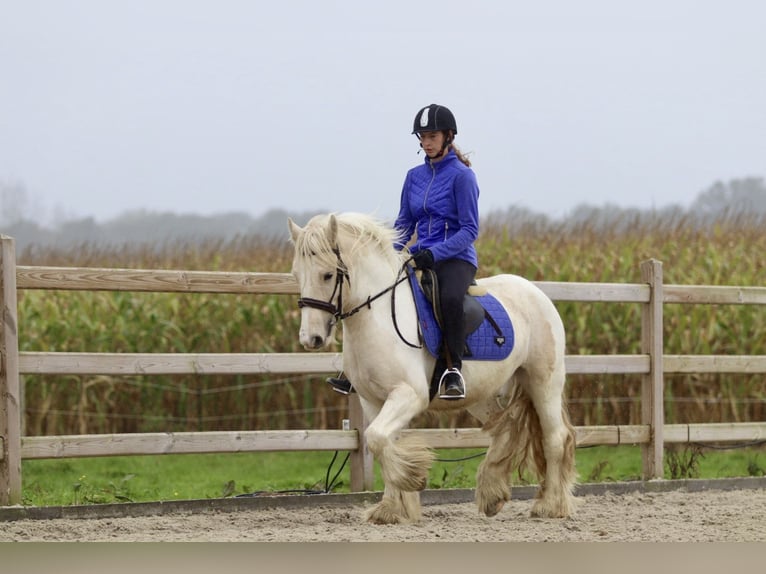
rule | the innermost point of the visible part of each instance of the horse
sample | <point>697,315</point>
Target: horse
<point>347,269</point>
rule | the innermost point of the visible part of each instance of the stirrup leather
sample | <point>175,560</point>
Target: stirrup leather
<point>442,391</point>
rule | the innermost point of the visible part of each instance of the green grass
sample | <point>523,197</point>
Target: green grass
<point>185,477</point>
<point>169,477</point>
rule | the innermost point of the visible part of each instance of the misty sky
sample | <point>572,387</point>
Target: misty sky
<point>207,107</point>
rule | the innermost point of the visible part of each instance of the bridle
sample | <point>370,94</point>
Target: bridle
<point>341,275</point>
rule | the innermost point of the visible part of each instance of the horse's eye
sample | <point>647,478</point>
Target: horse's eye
<point>327,276</point>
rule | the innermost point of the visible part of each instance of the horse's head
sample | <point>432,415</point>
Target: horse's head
<point>326,250</point>
<point>320,273</point>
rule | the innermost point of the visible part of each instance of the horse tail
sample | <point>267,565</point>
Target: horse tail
<point>518,426</point>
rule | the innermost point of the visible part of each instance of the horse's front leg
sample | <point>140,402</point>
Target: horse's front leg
<point>404,462</point>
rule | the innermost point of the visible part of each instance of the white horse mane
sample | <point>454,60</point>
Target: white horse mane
<point>356,231</point>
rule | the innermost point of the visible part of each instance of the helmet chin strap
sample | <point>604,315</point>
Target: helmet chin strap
<point>445,145</point>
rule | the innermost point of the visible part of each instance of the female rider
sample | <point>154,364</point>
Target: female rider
<point>439,206</point>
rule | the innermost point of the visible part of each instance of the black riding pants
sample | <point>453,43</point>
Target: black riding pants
<point>455,275</point>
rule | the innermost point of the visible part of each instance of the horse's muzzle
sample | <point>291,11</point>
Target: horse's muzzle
<point>318,337</point>
<point>315,342</point>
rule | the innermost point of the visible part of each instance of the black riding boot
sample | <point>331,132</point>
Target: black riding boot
<point>340,384</point>
<point>455,275</point>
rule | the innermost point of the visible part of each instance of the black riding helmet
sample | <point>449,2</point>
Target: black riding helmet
<point>434,118</point>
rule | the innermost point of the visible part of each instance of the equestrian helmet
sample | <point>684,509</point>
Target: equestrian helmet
<point>434,118</point>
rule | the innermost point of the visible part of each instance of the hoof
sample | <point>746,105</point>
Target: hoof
<point>491,497</point>
<point>374,516</point>
<point>492,510</point>
<point>387,512</point>
<point>543,509</point>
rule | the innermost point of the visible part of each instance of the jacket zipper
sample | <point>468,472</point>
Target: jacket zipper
<point>425,199</point>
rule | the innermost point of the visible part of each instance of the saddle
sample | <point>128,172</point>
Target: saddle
<point>473,313</point>
<point>489,331</point>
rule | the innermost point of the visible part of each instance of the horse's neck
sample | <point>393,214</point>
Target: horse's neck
<point>370,276</point>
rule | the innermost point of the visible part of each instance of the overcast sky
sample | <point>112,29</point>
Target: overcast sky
<point>206,107</point>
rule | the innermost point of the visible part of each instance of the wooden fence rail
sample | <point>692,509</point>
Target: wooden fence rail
<point>651,364</point>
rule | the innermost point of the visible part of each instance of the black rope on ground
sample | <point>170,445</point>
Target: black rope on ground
<point>461,459</point>
<point>328,484</point>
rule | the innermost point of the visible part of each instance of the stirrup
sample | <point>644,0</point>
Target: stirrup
<point>444,391</point>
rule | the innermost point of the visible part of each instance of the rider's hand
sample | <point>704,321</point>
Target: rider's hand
<point>423,259</point>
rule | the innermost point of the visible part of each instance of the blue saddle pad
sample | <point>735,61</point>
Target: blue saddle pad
<point>484,344</point>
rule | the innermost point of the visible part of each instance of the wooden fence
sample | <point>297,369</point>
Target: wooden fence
<point>651,364</point>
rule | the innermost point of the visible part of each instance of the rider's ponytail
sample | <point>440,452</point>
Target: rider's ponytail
<point>460,155</point>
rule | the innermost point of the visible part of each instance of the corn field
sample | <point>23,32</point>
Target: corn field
<point>727,253</point>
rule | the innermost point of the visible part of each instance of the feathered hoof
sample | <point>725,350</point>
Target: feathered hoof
<point>543,508</point>
<point>408,483</point>
<point>491,493</point>
<point>491,511</point>
<point>387,511</point>
<point>491,507</point>
<point>406,477</point>
<point>405,465</point>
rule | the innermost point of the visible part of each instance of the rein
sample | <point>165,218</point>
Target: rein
<point>341,274</point>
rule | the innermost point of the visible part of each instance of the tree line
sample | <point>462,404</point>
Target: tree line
<point>746,196</point>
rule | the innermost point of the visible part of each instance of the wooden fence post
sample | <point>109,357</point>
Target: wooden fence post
<point>362,477</point>
<point>10,409</point>
<point>652,384</point>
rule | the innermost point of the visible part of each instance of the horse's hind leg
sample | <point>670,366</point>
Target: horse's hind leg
<point>532,432</point>
<point>493,488</point>
<point>507,446</point>
<point>554,447</point>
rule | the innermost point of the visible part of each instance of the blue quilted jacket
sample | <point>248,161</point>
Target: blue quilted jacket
<point>440,203</point>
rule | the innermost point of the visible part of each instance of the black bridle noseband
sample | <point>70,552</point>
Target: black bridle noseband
<point>341,274</point>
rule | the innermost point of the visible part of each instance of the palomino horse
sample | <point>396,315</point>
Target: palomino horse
<point>347,269</point>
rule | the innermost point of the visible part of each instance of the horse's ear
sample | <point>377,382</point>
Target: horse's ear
<point>332,230</point>
<point>294,228</point>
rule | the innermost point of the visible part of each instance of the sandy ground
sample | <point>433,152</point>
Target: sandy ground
<point>676,516</point>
